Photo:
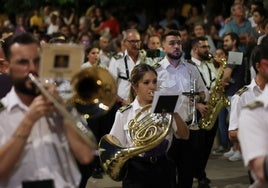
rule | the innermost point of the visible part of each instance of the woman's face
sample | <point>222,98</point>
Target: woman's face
<point>257,17</point>
<point>93,56</point>
<point>199,31</point>
<point>146,87</point>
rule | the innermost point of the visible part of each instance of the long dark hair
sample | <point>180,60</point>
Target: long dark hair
<point>136,75</point>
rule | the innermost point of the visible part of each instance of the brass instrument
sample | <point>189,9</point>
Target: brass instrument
<point>94,92</point>
<point>145,132</point>
<point>192,105</point>
<point>217,99</point>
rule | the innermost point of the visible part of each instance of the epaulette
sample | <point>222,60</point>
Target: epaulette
<point>242,90</point>
<point>124,108</point>
<point>156,65</point>
<point>2,107</point>
<point>255,104</point>
<point>117,56</point>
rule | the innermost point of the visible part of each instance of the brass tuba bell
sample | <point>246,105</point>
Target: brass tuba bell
<point>94,91</point>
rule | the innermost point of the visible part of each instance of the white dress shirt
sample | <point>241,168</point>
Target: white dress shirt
<point>178,80</point>
<point>46,155</point>
<point>253,132</point>
<point>240,101</point>
<point>118,69</point>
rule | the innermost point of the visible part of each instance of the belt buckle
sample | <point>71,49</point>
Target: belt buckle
<point>153,159</point>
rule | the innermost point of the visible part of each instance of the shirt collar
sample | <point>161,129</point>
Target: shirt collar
<point>165,63</point>
<point>263,96</point>
<point>13,100</point>
<point>136,105</point>
<point>253,86</point>
<point>196,61</point>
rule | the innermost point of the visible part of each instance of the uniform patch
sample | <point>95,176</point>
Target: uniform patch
<point>124,108</point>
<point>117,56</point>
<point>156,65</point>
<point>255,104</point>
<point>242,90</point>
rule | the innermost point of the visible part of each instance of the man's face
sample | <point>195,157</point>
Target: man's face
<point>104,43</point>
<point>24,59</point>
<point>154,43</point>
<point>228,44</point>
<point>172,47</point>
<point>132,42</point>
<point>184,36</point>
<point>263,69</point>
<point>202,50</point>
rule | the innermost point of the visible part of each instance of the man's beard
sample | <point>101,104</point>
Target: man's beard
<point>174,57</point>
<point>204,57</point>
<point>21,86</point>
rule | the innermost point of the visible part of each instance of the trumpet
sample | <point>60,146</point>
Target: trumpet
<point>95,94</point>
<point>192,107</point>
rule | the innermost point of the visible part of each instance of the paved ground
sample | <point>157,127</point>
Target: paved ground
<point>223,174</point>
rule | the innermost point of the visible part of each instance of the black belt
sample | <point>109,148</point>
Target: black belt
<point>152,159</point>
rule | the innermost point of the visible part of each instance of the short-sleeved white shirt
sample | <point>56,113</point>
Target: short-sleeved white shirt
<point>120,127</point>
<point>178,80</point>
<point>46,155</point>
<point>118,68</point>
<point>253,132</point>
<point>239,101</point>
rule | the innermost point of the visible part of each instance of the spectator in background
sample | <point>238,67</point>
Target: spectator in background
<point>169,18</point>
<point>239,25</point>
<point>20,27</point>
<point>194,15</point>
<point>154,42</point>
<point>186,41</point>
<point>105,55</point>
<point>109,26</point>
<point>37,20</point>
<point>53,27</point>
<point>199,30</point>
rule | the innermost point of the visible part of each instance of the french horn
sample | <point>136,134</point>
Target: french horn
<point>145,132</point>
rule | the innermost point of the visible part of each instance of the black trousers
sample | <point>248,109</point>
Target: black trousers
<point>207,138</point>
<point>185,154</point>
<point>145,172</point>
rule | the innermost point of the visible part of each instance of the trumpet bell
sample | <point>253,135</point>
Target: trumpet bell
<point>94,91</point>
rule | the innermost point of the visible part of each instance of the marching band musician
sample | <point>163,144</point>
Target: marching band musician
<point>175,75</point>
<point>252,131</point>
<point>142,171</point>
<point>121,67</point>
<point>200,59</point>
<point>37,147</point>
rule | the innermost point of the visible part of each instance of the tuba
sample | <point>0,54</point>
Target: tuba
<point>217,99</point>
<point>145,132</point>
<point>94,93</point>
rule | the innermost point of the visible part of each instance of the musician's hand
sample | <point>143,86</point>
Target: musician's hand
<point>39,107</point>
<point>202,108</point>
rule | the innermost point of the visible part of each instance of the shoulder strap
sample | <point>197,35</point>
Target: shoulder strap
<point>156,65</point>
<point>242,90</point>
<point>124,108</point>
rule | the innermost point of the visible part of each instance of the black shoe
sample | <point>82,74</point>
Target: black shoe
<point>97,174</point>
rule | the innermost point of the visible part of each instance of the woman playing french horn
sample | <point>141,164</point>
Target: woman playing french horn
<point>150,168</point>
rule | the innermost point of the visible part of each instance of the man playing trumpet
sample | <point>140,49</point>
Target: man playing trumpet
<point>36,147</point>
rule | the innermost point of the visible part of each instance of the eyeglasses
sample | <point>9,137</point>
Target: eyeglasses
<point>133,41</point>
<point>204,47</point>
<point>173,42</point>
